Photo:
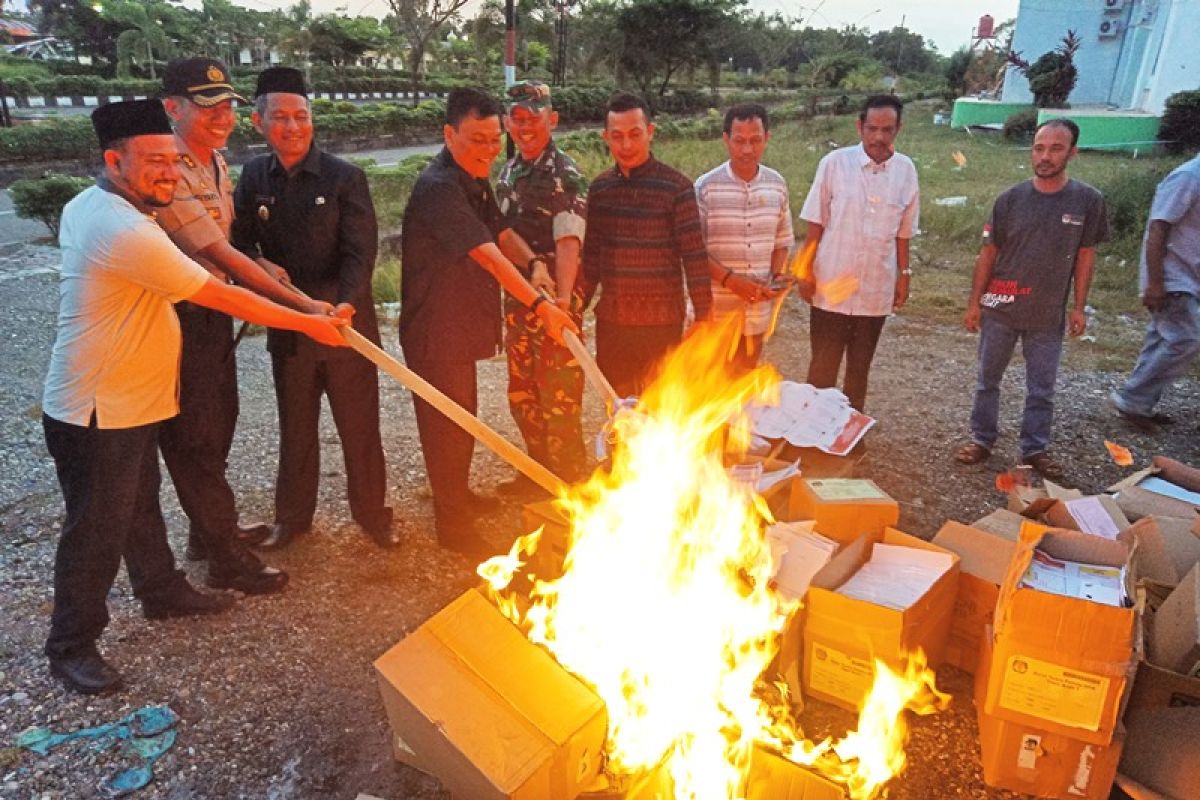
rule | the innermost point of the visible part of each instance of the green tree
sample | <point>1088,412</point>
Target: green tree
<point>902,52</point>
<point>661,37</point>
<point>343,40</point>
<point>143,38</point>
<point>79,23</point>
<point>422,21</point>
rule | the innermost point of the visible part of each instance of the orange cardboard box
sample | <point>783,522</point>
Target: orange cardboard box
<point>844,508</point>
<point>1063,665</point>
<point>492,716</point>
<point>984,560</point>
<point>1025,758</point>
<point>843,635</point>
<point>773,777</point>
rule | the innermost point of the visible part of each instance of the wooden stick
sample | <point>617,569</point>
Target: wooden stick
<point>459,415</point>
<point>591,369</point>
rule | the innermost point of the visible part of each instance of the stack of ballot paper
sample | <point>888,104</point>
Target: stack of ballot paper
<point>799,552</point>
<point>1100,584</point>
<point>896,576</point>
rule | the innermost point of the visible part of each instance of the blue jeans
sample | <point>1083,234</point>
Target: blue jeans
<point>1172,341</point>
<point>1042,351</point>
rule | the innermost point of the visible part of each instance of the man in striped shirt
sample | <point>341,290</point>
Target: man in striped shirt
<point>747,228</point>
<point>644,241</point>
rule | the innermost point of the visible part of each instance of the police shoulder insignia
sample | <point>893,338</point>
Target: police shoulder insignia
<point>188,161</point>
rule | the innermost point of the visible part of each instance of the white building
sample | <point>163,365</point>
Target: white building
<point>1134,53</point>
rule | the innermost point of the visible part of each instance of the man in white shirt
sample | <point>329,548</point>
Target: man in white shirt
<point>747,228</point>
<point>114,377</point>
<point>861,212</point>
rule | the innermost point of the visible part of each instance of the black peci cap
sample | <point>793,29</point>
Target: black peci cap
<point>284,80</point>
<point>204,81</point>
<point>116,121</point>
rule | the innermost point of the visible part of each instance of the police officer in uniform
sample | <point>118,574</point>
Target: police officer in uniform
<point>543,196</point>
<point>311,213</point>
<point>199,98</point>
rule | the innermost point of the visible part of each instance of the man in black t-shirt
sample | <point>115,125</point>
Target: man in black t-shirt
<point>1041,237</point>
<point>456,257</point>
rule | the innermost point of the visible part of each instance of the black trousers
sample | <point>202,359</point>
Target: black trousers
<point>447,448</point>
<point>195,445</point>
<point>352,386</point>
<point>627,354</point>
<point>109,481</point>
<point>833,336</point>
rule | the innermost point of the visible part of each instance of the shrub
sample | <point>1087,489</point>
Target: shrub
<point>43,198</point>
<point>1020,126</point>
<point>1052,77</point>
<point>52,140</point>
<point>322,105</point>
<point>1180,127</point>
<point>345,107</point>
<point>1128,198</point>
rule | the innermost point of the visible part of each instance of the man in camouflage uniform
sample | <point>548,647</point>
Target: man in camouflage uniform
<point>543,195</point>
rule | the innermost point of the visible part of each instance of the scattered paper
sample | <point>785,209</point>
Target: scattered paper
<point>957,201</point>
<point>810,417</point>
<point>768,479</point>
<point>799,553</point>
<point>895,576</point>
<point>1100,584</point>
<point>1091,517</point>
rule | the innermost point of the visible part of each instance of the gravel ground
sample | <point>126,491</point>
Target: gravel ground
<point>278,698</point>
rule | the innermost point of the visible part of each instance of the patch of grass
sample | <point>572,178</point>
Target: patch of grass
<point>385,283</point>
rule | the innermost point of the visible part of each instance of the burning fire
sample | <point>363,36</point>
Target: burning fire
<point>665,606</point>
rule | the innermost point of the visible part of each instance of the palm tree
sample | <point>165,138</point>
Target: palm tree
<point>143,38</point>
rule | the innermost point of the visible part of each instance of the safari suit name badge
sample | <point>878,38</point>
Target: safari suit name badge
<point>264,213</point>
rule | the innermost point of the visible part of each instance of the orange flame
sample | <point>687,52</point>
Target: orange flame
<point>665,606</point>
<point>1121,455</point>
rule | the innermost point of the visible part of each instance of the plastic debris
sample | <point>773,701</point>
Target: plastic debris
<point>145,734</point>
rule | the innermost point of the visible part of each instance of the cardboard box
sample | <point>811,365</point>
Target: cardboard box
<point>773,777</point>
<point>487,712</point>
<point>843,508</point>
<point>1063,665</point>
<point>1175,642</point>
<point>1137,502</point>
<point>983,560</point>
<point>1001,522</point>
<point>842,635</point>
<point>547,561</point>
<point>1025,758</point>
<point>1162,718</point>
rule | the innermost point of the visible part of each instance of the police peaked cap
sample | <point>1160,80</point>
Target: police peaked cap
<point>116,121</point>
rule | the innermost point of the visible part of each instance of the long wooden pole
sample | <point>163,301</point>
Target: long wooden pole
<point>459,415</point>
<point>591,369</point>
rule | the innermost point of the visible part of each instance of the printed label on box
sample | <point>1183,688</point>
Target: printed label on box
<point>846,489</point>
<point>836,674</point>
<point>1041,689</point>
<point>1031,748</point>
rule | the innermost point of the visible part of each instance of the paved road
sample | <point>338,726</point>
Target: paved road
<point>14,230</point>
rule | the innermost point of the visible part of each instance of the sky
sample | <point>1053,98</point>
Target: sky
<point>948,23</point>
